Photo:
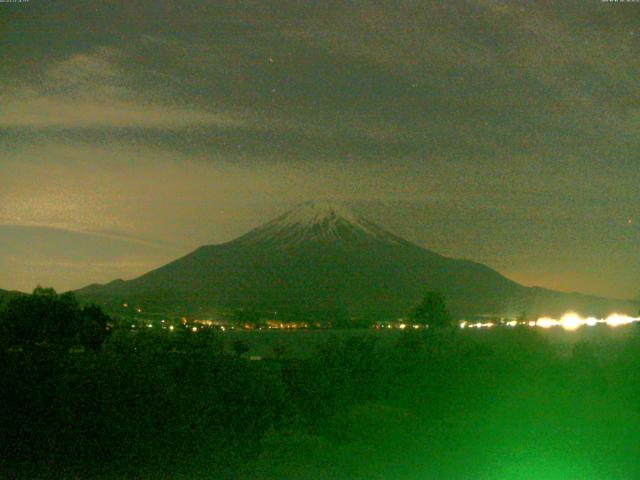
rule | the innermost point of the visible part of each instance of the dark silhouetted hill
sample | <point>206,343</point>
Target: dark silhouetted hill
<point>323,259</point>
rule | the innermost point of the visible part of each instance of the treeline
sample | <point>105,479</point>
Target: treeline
<point>46,319</point>
<point>432,404</point>
<point>431,310</point>
<point>148,405</point>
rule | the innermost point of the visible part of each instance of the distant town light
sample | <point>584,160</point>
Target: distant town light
<point>481,325</point>
<point>546,322</point>
<point>592,322</point>
<point>571,321</point>
<point>615,319</point>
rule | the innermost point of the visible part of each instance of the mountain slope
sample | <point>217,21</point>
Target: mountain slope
<point>323,259</point>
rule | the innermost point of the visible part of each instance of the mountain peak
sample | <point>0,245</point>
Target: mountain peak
<point>322,260</point>
<point>318,212</point>
<point>318,221</point>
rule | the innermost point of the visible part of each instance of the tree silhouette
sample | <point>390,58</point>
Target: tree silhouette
<point>432,311</point>
<point>279,350</point>
<point>93,327</point>
<point>46,318</point>
<point>239,347</point>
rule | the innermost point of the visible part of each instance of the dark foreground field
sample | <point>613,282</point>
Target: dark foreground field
<point>502,404</point>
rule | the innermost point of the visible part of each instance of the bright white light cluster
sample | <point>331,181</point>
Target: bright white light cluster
<point>573,321</point>
<point>476,325</point>
<point>569,321</point>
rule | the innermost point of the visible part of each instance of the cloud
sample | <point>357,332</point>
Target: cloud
<point>35,255</point>
<point>147,193</point>
<point>60,112</point>
<point>93,73</point>
<point>91,90</point>
<point>190,123</point>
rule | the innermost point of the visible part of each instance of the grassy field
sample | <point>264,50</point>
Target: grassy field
<point>497,404</point>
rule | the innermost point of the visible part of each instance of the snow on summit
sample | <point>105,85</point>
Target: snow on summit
<point>318,213</point>
<point>318,221</point>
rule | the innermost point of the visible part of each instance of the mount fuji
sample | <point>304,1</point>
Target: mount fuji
<point>323,260</point>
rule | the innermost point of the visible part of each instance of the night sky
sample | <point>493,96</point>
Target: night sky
<point>506,132</point>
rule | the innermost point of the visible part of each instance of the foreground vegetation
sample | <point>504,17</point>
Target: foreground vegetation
<point>494,405</point>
